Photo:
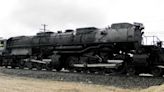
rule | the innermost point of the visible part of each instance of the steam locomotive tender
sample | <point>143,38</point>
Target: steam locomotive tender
<point>115,49</point>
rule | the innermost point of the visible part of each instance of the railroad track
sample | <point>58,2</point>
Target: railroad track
<point>82,72</point>
<point>86,72</point>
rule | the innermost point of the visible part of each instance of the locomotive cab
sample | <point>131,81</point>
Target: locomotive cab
<point>2,49</point>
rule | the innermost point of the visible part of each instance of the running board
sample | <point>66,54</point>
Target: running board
<point>43,61</point>
<point>115,61</point>
<point>97,65</point>
<point>160,66</point>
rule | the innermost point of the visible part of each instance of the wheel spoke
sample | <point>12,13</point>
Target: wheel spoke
<point>156,71</point>
<point>29,65</point>
<point>131,70</point>
<point>39,66</point>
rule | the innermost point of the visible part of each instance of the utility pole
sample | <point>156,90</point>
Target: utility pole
<point>44,27</point>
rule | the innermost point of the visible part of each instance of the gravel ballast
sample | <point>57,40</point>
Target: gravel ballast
<point>111,80</point>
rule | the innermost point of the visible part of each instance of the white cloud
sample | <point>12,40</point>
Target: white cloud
<point>23,17</point>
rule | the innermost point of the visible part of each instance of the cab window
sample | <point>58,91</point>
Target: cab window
<point>1,43</point>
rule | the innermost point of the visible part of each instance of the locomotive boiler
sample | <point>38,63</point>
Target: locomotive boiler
<point>117,33</point>
<point>113,49</point>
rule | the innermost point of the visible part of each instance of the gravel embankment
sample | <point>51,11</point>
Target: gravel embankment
<point>117,81</point>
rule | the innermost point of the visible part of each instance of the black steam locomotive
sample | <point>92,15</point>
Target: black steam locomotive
<point>117,49</point>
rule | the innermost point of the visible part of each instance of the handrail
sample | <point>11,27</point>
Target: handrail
<point>146,40</point>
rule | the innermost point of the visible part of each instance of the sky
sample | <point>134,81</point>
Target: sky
<point>24,17</point>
